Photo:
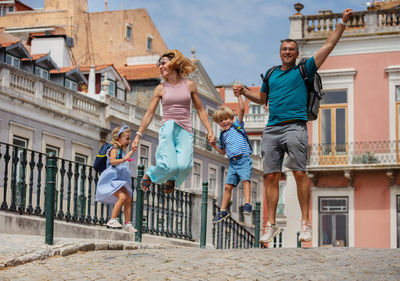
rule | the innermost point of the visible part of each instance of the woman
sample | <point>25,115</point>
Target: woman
<point>174,155</point>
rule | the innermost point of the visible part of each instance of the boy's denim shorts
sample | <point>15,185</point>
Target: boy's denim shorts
<point>239,169</point>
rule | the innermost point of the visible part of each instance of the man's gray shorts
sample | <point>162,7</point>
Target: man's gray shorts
<point>290,138</point>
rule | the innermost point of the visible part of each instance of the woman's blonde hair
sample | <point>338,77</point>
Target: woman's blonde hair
<point>179,62</point>
<point>222,113</point>
<point>115,136</point>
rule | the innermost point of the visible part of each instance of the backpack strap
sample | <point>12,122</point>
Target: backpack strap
<point>241,131</point>
<point>303,72</point>
<point>221,138</point>
<point>266,79</point>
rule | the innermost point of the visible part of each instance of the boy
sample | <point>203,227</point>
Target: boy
<point>235,143</point>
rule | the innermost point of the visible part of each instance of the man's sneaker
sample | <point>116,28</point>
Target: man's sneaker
<point>270,232</point>
<point>221,216</point>
<point>129,227</point>
<point>305,232</point>
<point>113,223</point>
<point>247,208</point>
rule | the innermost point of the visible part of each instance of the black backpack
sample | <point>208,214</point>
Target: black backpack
<point>100,163</point>
<point>314,89</point>
<point>240,130</point>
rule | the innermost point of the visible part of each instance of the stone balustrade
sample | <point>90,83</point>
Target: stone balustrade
<point>362,22</point>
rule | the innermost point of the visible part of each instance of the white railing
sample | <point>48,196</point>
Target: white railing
<point>82,105</point>
<point>360,154</point>
<point>28,88</point>
<point>120,106</point>
<point>362,22</point>
<point>22,83</point>
<point>54,95</point>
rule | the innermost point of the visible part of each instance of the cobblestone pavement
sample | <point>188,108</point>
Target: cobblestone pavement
<point>198,264</point>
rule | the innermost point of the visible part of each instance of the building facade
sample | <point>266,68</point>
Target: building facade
<point>130,33</point>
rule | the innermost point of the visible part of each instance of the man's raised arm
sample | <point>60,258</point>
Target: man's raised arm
<point>321,55</point>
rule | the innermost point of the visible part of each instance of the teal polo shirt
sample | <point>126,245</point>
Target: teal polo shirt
<point>288,93</point>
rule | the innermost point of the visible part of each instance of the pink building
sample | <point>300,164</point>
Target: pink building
<point>354,156</point>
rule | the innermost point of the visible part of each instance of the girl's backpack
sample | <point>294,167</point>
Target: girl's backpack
<point>100,163</point>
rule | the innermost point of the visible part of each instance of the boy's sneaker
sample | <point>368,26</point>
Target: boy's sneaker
<point>114,223</point>
<point>247,208</point>
<point>221,215</point>
<point>270,232</point>
<point>305,232</point>
<point>129,227</point>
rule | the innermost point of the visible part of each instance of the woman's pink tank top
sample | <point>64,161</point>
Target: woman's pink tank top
<point>176,101</point>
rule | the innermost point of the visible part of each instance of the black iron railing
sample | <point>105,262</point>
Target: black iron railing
<point>229,234</point>
<point>22,190</point>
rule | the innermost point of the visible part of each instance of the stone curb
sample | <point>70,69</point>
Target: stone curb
<point>68,249</point>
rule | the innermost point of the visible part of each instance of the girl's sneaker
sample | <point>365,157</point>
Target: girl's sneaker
<point>114,223</point>
<point>129,227</point>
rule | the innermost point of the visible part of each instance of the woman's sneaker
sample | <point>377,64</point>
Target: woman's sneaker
<point>270,232</point>
<point>247,208</point>
<point>114,223</point>
<point>129,227</point>
<point>305,232</point>
<point>221,215</point>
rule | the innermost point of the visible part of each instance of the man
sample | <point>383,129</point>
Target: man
<point>286,131</point>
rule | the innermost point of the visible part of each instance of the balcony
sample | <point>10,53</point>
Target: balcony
<point>255,121</point>
<point>374,155</point>
<point>361,23</point>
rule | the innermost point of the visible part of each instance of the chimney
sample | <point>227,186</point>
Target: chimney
<point>92,82</point>
<point>106,3</point>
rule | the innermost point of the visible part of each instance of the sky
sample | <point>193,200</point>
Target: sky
<point>234,40</point>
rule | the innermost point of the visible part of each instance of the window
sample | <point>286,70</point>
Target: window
<point>212,178</point>
<point>333,123</point>
<point>14,61</point>
<point>111,88</point>
<point>214,125</point>
<point>69,84</point>
<point>196,175</point>
<point>149,43</point>
<point>256,144</point>
<point>129,32</point>
<point>41,72</point>
<point>144,155</point>
<point>333,221</point>
<point>120,94</point>
<point>21,169</point>
<point>255,109</point>
<point>195,120</point>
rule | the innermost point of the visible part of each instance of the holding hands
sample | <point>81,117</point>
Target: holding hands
<point>238,90</point>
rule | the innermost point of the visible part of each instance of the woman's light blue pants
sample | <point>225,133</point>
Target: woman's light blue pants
<point>174,155</point>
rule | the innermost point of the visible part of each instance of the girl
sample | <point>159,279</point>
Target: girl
<point>114,185</point>
<point>174,155</point>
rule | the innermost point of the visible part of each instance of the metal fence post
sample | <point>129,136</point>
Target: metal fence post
<point>49,206</point>
<point>257,226</point>
<point>139,204</point>
<point>298,240</point>
<point>203,227</point>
